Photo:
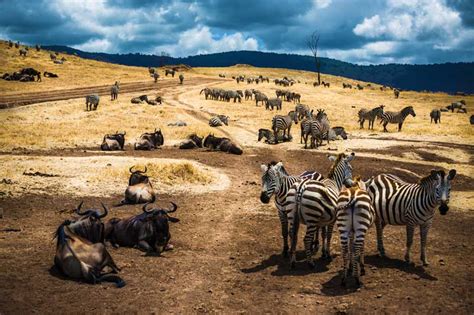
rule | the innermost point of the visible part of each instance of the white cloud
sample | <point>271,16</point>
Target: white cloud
<point>96,45</point>
<point>379,52</point>
<point>321,4</point>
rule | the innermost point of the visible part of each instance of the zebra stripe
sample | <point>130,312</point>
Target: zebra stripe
<point>314,203</point>
<point>280,122</point>
<point>319,129</point>
<point>397,202</point>
<point>396,117</point>
<point>354,216</point>
<point>219,120</point>
<point>370,115</point>
<point>277,182</point>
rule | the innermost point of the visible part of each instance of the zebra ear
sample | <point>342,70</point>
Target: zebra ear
<point>332,158</point>
<point>350,157</point>
<point>451,174</point>
<point>264,168</point>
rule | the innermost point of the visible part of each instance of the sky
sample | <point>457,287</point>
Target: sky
<point>357,31</point>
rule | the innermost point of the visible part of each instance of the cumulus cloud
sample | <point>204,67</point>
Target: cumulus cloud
<point>322,3</point>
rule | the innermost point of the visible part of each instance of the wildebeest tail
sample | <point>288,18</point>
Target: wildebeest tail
<point>119,282</point>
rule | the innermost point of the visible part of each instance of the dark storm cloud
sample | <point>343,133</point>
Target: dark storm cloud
<point>366,31</point>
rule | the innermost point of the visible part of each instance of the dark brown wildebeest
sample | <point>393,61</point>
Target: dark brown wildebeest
<point>221,144</point>
<point>113,142</point>
<point>140,99</point>
<point>150,140</point>
<point>78,258</point>
<point>436,116</point>
<point>181,79</point>
<point>169,71</point>
<point>193,142</point>
<point>50,74</point>
<point>114,90</point>
<point>149,231</point>
<point>156,76</point>
<point>396,93</point>
<point>52,56</point>
<point>38,47</point>
<point>22,52</point>
<point>89,225</point>
<point>139,188</point>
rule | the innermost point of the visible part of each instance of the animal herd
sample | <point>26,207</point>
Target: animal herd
<point>353,205</point>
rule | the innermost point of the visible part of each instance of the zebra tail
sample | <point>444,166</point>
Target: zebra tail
<point>349,204</point>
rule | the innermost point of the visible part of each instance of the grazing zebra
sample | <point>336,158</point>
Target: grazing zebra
<point>370,115</point>
<point>276,182</point>
<point>355,214</point>
<point>280,122</point>
<point>217,121</point>
<point>396,117</point>
<point>319,130</point>
<point>114,90</point>
<point>302,110</point>
<point>397,202</point>
<point>436,116</point>
<point>314,203</point>
<point>92,102</point>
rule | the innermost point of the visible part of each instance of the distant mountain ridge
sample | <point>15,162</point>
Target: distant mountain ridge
<point>446,77</point>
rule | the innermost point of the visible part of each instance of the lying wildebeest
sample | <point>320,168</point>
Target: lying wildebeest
<point>169,71</point>
<point>78,258</point>
<point>178,123</point>
<point>50,74</point>
<point>150,140</point>
<point>436,116</point>
<point>59,62</point>
<point>221,144</point>
<point>149,231</point>
<point>114,90</point>
<point>471,120</point>
<point>139,188</point>
<point>193,142</point>
<point>140,99</point>
<point>181,79</point>
<point>221,75</point>
<point>92,102</point>
<point>89,225</point>
<point>22,52</point>
<point>52,56</point>
<point>113,142</point>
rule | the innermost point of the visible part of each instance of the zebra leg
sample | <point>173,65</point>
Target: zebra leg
<point>327,254</point>
<point>356,258</point>
<point>315,246</point>
<point>344,239</point>
<point>379,226</point>
<point>385,126</point>
<point>294,221</point>
<point>362,123</point>
<point>424,229</point>
<point>284,231</point>
<point>275,134</point>
<point>410,232</point>
<point>308,244</point>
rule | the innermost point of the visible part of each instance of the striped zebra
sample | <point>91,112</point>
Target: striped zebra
<point>354,216</point>
<point>319,129</point>
<point>370,115</point>
<point>276,181</point>
<point>396,117</point>
<point>314,203</point>
<point>303,111</point>
<point>217,121</point>
<point>397,202</point>
<point>280,122</point>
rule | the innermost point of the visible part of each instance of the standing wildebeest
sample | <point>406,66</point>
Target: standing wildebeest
<point>38,47</point>
<point>396,93</point>
<point>10,44</point>
<point>273,102</point>
<point>181,78</point>
<point>221,144</point>
<point>52,56</point>
<point>260,97</point>
<point>150,141</point>
<point>78,258</point>
<point>149,231</point>
<point>436,116</point>
<point>17,44</point>
<point>22,52</point>
<point>113,142</point>
<point>92,102</point>
<point>156,76</point>
<point>139,188</point>
<point>89,224</point>
<point>248,94</point>
<point>114,90</point>
<point>169,71</point>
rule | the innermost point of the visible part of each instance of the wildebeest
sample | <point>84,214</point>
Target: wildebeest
<point>192,142</point>
<point>38,47</point>
<point>346,85</point>
<point>139,99</point>
<point>114,90</point>
<point>113,142</point>
<point>149,231</point>
<point>52,56</point>
<point>436,116</point>
<point>156,76</point>
<point>221,144</point>
<point>221,75</point>
<point>89,225</point>
<point>150,140</point>
<point>396,93</point>
<point>92,102</point>
<point>22,52</point>
<point>272,103</point>
<point>260,97</point>
<point>151,71</point>
<point>178,123</point>
<point>17,44</point>
<point>181,78</point>
<point>78,258</point>
<point>10,44</point>
<point>471,120</point>
<point>139,188</point>
<point>360,87</point>
<point>169,71</point>
<point>50,74</point>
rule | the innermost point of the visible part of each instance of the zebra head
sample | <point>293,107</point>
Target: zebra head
<point>341,170</point>
<point>443,188</point>
<point>270,180</point>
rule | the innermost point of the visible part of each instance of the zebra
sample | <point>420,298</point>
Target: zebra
<point>396,93</point>
<point>397,202</point>
<point>260,97</point>
<point>276,182</point>
<point>314,203</point>
<point>435,115</point>
<point>280,122</point>
<point>319,129</point>
<point>248,94</point>
<point>370,115</point>
<point>114,90</point>
<point>355,214</point>
<point>396,117</point>
<point>181,79</point>
<point>92,102</point>
<point>302,110</point>
<point>272,103</point>
<point>217,121</point>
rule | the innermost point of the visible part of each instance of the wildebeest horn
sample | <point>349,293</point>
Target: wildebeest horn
<point>78,209</point>
<point>131,168</point>
<point>105,211</point>
<point>172,209</point>
<point>145,209</point>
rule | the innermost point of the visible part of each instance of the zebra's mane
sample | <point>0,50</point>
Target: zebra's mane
<point>283,170</point>
<point>406,109</point>
<point>335,164</point>
<point>427,179</point>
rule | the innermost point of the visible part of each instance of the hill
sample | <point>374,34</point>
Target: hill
<point>447,77</point>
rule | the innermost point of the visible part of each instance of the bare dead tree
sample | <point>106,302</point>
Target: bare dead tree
<point>312,43</point>
<point>163,56</point>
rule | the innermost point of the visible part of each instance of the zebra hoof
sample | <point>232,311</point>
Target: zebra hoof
<point>312,264</point>
<point>425,263</point>
<point>285,253</point>
<point>292,265</point>
<point>343,282</point>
